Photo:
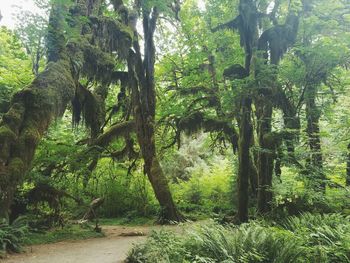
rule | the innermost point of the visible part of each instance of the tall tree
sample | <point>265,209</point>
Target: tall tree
<point>33,109</point>
<point>142,85</point>
<point>272,44</point>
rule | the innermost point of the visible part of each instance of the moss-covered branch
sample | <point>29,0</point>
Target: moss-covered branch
<point>114,132</point>
<point>31,112</point>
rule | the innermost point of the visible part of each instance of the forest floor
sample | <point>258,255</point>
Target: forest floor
<point>112,248</point>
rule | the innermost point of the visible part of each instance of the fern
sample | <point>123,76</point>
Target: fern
<point>308,238</point>
<point>12,236</point>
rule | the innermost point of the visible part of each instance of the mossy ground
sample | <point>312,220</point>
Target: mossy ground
<point>71,232</point>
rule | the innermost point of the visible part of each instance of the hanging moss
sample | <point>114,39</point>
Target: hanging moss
<point>191,123</point>
<point>197,121</point>
<point>194,90</point>
<point>111,35</point>
<point>279,38</point>
<point>98,64</point>
<point>90,108</point>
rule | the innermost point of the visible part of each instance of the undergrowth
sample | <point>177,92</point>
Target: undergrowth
<point>12,236</point>
<point>307,238</point>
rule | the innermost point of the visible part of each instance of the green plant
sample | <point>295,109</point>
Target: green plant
<point>325,236</point>
<point>307,238</point>
<point>12,236</point>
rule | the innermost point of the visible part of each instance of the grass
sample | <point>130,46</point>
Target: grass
<point>70,232</point>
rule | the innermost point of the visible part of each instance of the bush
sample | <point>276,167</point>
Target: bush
<point>308,238</point>
<point>206,191</point>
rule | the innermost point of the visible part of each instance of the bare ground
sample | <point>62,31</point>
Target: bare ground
<point>110,249</point>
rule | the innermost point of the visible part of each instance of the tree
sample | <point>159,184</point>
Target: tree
<point>31,29</point>
<point>33,109</point>
<point>90,56</point>
<point>142,86</point>
<point>271,44</point>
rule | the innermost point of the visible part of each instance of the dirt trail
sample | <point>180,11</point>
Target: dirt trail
<point>110,249</point>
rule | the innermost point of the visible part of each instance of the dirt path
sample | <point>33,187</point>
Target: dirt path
<point>110,249</point>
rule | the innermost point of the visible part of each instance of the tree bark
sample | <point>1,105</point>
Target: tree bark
<point>22,127</point>
<point>314,140</point>
<point>34,108</point>
<point>265,155</point>
<point>348,167</point>
<point>141,81</point>
<point>244,165</point>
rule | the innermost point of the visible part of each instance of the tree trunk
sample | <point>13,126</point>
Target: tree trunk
<point>313,132</point>
<point>253,177</point>
<point>244,168</point>
<point>141,81</point>
<point>33,109</point>
<point>265,155</point>
<point>348,167</point>
<point>22,127</point>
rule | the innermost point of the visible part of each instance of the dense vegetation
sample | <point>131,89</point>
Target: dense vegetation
<point>172,110</point>
<point>308,238</point>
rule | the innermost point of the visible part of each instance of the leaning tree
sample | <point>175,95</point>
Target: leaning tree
<point>83,49</point>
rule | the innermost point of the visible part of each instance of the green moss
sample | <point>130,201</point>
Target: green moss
<point>111,35</point>
<point>14,116</point>
<point>6,134</point>
<point>72,232</point>
<point>114,132</point>
<point>191,123</point>
<point>31,136</point>
<point>16,168</point>
<point>7,138</point>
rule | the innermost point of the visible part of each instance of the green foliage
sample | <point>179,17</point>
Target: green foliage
<point>308,238</point>
<point>326,237</point>
<point>31,29</point>
<point>15,67</point>
<point>125,195</point>
<point>207,191</point>
<point>12,236</point>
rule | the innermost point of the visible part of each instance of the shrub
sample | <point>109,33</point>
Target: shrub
<point>206,191</point>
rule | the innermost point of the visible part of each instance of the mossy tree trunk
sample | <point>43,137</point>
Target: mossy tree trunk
<point>31,112</point>
<point>315,162</point>
<point>36,106</point>
<point>244,157</point>
<point>246,23</point>
<point>142,85</point>
<point>265,155</point>
<point>272,43</point>
<point>348,167</point>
